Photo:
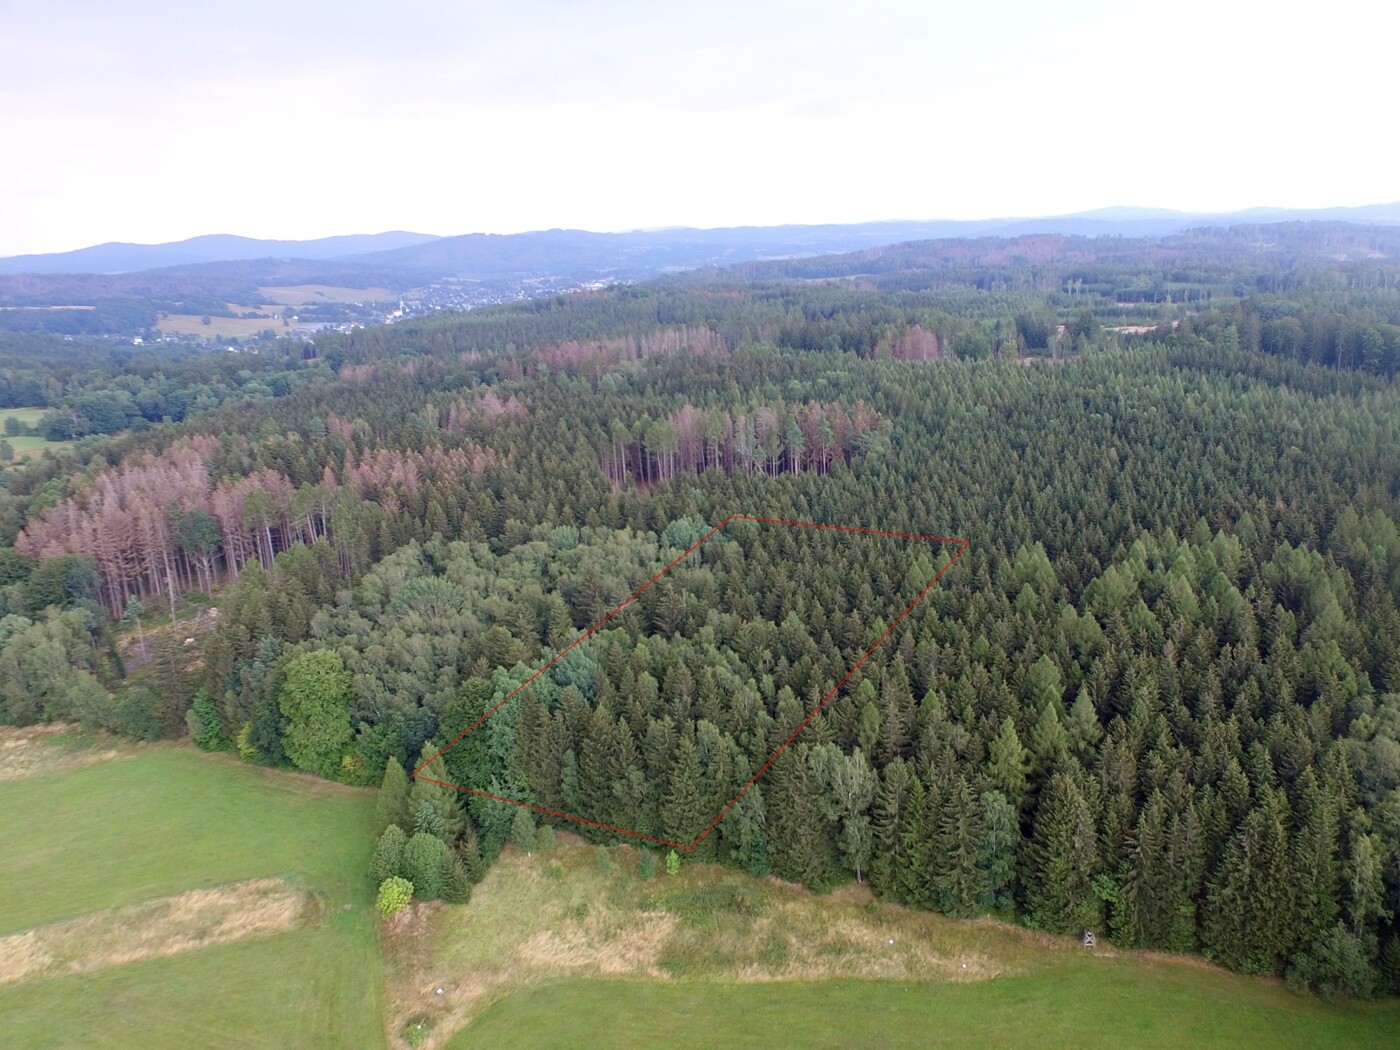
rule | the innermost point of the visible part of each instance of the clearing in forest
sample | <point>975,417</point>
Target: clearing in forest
<point>959,546</point>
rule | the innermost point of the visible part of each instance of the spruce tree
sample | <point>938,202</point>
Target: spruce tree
<point>959,882</point>
<point>1008,762</point>
<point>387,860</point>
<point>456,881</point>
<point>522,829</point>
<point>1062,858</point>
<point>996,853</point>
<point>445,801</point>
<point>1313,867</point>
<point>683,814</point>
<point>424,861</point>
<point>1249,922</point>
<point>428,819</point>
<point>891,798</point>
<point>392,806</point>
<point>913,877</point>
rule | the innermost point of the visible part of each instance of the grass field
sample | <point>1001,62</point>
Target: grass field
<point>565,949</point>
<point>570,946</point>
<point>1084,1004</point>
<point>221,327</point>
<point>27,416</point>
<point>152,822</point>
<point>30,447</point>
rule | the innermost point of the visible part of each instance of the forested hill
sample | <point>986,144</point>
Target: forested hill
<point>1158,696</point>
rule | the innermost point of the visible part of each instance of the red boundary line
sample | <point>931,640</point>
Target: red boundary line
<point>633,597</point>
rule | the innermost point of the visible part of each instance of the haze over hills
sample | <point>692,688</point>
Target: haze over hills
<point>639,253</point>
<point>118,257</point>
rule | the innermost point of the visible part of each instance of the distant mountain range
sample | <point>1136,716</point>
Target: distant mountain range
<point>116,257</point>
<point>628,256</point>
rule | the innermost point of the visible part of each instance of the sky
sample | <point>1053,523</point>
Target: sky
<point>156,120</point>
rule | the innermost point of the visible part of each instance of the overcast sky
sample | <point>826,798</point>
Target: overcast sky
<point>155,120</point>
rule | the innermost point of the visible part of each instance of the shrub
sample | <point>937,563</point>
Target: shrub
<point>138,710</point>
<point>673,863</point>
<point>394,894</point>
<point>244,745</point>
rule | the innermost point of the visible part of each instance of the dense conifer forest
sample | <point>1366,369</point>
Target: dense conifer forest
<point>1159,696</point>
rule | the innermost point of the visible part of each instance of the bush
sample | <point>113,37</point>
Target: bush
<point>1337,966</point>
<point>244,745</point>
<point>648,864</point>
<point>417,1030</point>
<point>673,863</point>
<point>139,712</point>
<point>394,894</point>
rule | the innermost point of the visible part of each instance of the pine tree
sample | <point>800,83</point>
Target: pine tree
<point>392,806</point>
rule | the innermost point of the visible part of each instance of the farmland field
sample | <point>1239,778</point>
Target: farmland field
<point>220,327</point>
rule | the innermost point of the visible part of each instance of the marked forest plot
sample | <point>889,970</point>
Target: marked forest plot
<point>154,929</point>
<point>950,548</point>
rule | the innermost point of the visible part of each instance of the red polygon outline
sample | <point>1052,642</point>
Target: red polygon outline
<point>633,597</point>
